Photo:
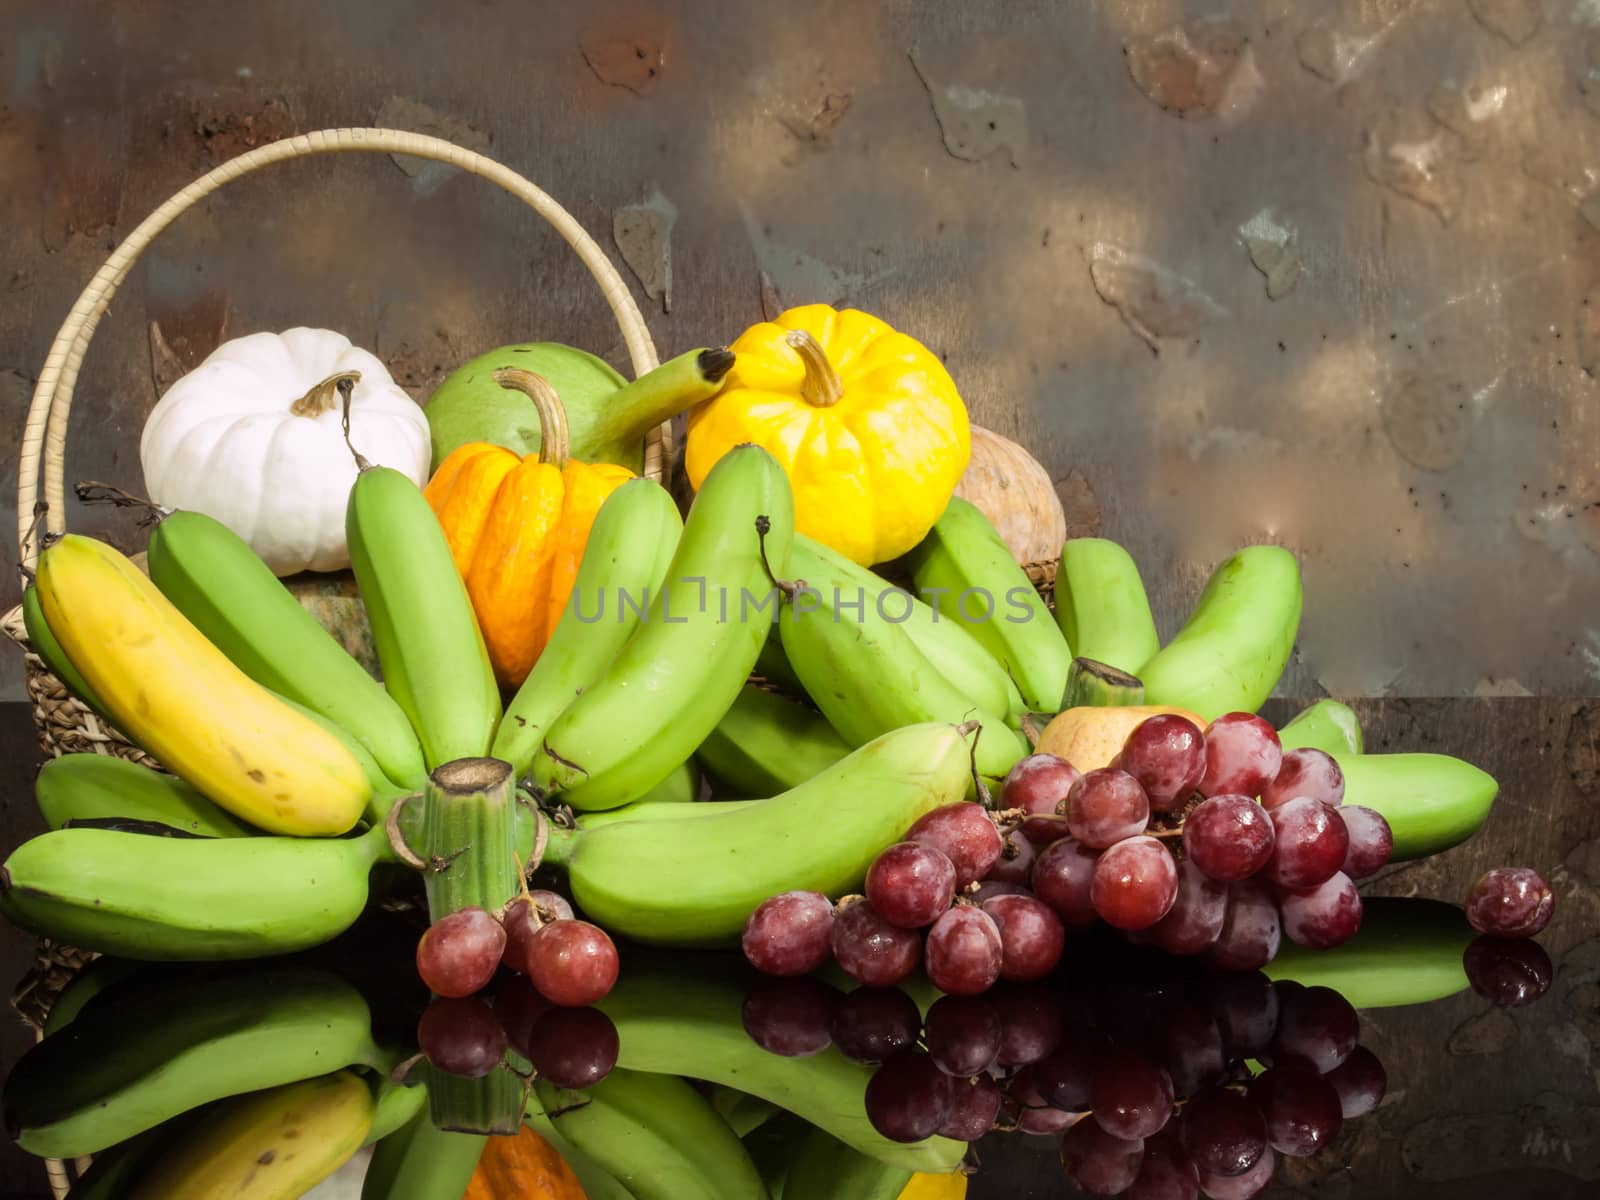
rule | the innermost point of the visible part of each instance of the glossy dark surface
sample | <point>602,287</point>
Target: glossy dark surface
<point>1483,1102</point>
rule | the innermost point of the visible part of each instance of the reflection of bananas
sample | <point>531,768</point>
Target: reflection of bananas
<point>824,1168</point>
<point>419,1161</point>
<point>1408,951</point>
<point>596,1181</point>
<point>272,1145</point>
<point>656,1135</point>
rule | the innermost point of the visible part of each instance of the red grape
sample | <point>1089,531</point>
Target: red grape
<point>458,953</point>
<point>1301,1108</point>
<point>1243,1186</point>
<point>1245,1005</point>
<point>1031,936</point>
<point>1166,1173</point>
<point>1223,1132</point>
<point>520,920</point>
<point>1166,753</point>
<point>964,951</point>
<point>908,1098</point>
<point>964,834</point>
<point>1135,883</point>
<point>1228,837</point>
<point>1015,864</point>
<point>1099,1163</point>
<point>1318,1026</point>
<point>1305,772</point>
<point>990,888</point>
<point>789,1017</point>
<point>1311,842</point>
<point>869,1024</point>
<point>910,885</point>
<point>963,1035</point>
<point>1360,1081</point>
<point>1034,1113</point>
<point>1251,931</point>
<point>552,906</point>
<point>1191,1048</point>
<point>974,1104</point>
<point>1195,919</point>
<point>1324,917</point>
<point>1242,756</point>
<point>869,949</point>
<point>574,1047</point>
<point>1062,876</point>
<point>1065,1075</point>
<point>518,1006</point>
<point>789,934</point>
<point>1106,806</point>
<point>1038,785</point>
<point>1030,1022</point>
<point>1510,972</point>
<point>1371,842</point>
<point>460,1036</point>
<point>1510,902</point>
<point>1131,1096</point>
<point>572,962</point>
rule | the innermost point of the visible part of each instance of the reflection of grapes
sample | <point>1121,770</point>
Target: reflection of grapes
<point>908,1098</point>
<point>1166,1172</point>
<point>963,1035</point>
<point>1316,1025</point>
<point>1030,1022</point>
<point>518,1007</point>
<point>1223,1132</point>
<point>790,1017</point>
<point>870,1024</point>
<point>1509,972</point>
<point>1360,1082</point>
<point>574,1047</point>
<point>1240,1187</point>
<point>460,1036</point>
<point>1245,1006</point>
<point>1066,1075</point>
<point>1131,1096</point>
<point>974,1104</point>
<point>1302,1109</point>
<point>1099,1163</point>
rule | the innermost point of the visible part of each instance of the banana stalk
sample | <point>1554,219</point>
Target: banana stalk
<point>1092,684</point>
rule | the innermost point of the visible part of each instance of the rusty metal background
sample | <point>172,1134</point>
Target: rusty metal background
<point>1317,273</point>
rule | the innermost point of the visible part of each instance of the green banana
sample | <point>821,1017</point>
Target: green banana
<point>163,1043</point>
<point>1232,650</point>
<point>91,979</point>
<point>624,561</point>
<point>742,1111</point>
<point>419,1161</point>
<point>1326,725</point>
<point>116,1169</point>
<point>434,660</point>
<point>773,666</point>
<point>655,810</point>
<point>767,743</point>
<point>88,787</point>
<point>188,898</point>
<point>823,1166</point>
<point>596,1181</point>
<point>772,1146</point>
<point>398,1103</point>
<point>1408,951</point>
<point>680,787</point>
<point>44,644</point>
<point>1431,801</point>
<point>868,677</point>
<point>680,1015</point>
<point>1101,605</point>
<point>630,878</point>
<point>683,667</point>
<point>964,556</point>
<point>215,579</point>
<point>954,652</point>
<point>656,1135</point>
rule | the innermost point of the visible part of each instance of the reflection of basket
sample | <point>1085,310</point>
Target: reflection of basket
<point>64,723</point>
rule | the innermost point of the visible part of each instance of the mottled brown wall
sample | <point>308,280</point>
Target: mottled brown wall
<point>1412,411</point>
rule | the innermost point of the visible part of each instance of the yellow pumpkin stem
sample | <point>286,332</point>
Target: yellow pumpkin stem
<point>821,387</point>
<point>323,396</point>
<point>554,445</point>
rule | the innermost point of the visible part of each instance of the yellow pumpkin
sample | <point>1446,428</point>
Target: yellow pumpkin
<point>517,528</point>
<point>865,420</point>
<point>935,1187</point>
<point>525,1167</point>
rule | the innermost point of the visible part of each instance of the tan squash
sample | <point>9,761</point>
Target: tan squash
<point>1089,738</point>
<point>1010,487</point>
<point>525,1167</point>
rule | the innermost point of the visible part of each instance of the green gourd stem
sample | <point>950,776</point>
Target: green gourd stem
<point>467,844</point>
<point>326,395</point>
<point>657,396</point>
<point>555,444</point>
<point>1092,684</point>
<point>821,388</point>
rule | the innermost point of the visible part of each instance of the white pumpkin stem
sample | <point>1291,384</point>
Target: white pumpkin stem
<point>821,387</point>
<point>555,446</point>
<point>324,396</point>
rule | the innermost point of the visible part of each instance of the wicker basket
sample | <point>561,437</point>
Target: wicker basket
<point>66,725</point>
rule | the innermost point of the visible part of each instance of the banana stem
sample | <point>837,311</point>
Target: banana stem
<point>491,1104</point>
<point>467,846</point>
<point>1092,684</point>
<point>821,387</point>
<point>555,444</point>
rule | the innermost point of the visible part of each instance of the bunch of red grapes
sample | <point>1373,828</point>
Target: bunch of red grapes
<point>559,965</point>
<point>1214,842</point>
<point>1140,1066</point>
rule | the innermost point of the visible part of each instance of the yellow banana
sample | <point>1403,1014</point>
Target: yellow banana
<point>180,698</point>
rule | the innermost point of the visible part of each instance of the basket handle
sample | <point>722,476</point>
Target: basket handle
<point>44,434</point>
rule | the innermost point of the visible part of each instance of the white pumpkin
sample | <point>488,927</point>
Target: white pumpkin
<point>254,436</point>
